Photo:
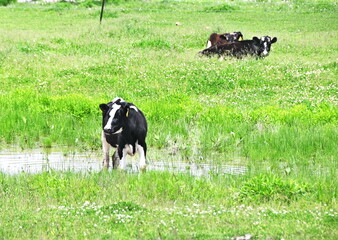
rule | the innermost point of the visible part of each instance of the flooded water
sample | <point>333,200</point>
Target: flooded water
<point>14,160</point>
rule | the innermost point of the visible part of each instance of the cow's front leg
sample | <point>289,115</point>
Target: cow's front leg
<point>115,160</point>
<point>105,162</point>
<point>105,148</point>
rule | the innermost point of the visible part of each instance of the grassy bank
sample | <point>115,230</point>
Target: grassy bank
<point>125,206</point>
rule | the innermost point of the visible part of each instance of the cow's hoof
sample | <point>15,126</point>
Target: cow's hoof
<point>143,168</point>
<point>120,168</point>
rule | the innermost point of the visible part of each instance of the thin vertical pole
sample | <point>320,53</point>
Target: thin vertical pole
<point>101,14</point>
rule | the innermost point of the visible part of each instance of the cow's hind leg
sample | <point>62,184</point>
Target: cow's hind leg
<point>123,152</point>
<point>142,150</point>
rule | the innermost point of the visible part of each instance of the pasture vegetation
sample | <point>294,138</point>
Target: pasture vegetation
<point>57,64</point>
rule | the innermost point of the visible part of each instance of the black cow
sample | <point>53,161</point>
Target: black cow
<point>223,38</point>
<point>255,47</point>
<point>123,127</point>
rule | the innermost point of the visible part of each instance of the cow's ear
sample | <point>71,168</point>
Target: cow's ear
<point>274,40</point>
<point>240,36</point>
<point>256,39</point>
<point>126,107</point>
<point>104,107</point>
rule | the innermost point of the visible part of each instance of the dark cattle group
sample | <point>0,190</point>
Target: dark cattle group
<point>223,38</point>
<point>232,45</point>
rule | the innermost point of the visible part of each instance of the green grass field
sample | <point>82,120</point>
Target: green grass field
<point>280,114</point>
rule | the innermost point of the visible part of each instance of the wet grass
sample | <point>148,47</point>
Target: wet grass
<point>57,64</point>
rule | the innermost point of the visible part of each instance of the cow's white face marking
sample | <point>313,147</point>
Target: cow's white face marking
<point>111,116</point>
<point>266,41</point>
<point>265,49</point>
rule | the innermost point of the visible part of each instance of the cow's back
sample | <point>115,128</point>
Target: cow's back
<point>240,48</point>
<point>138,123</point>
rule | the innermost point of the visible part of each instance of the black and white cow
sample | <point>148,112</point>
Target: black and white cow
<point>223,38</point>
<point>255,47</point>
<point>123,127</point>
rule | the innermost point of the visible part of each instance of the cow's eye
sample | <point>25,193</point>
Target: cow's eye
<point>118,113</point>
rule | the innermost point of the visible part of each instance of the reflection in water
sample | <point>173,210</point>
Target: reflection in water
<point>34,161</point>
<point>38,160</point>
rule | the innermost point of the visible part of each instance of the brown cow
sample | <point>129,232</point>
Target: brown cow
<point>223,38</point>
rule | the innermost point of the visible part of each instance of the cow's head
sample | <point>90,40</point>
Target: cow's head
<point>264,45</point>
<point>231,37</point>
<point>114,115</point>
<point>238,36</point>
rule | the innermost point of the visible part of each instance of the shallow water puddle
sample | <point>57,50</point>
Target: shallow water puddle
<point>14,161</point>
<point>197,169</point>
<point>37,160</point>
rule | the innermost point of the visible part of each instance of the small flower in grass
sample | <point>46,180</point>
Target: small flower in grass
<point>163,223</point>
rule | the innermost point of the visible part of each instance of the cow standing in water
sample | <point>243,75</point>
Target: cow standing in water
<point>124,128</point>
